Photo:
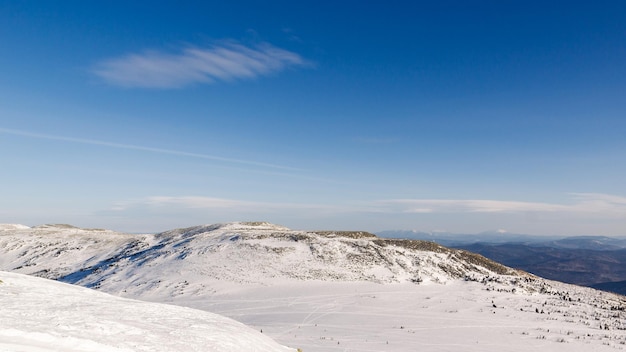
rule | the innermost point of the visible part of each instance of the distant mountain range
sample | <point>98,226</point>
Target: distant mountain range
<point>501,237</point>
<point>595,261</point>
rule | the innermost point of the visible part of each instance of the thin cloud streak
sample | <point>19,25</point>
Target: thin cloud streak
<point>466,206</point>
<point>200,202</point>
<point>226,62</point>
<point>600,198</point>
<point>586,204</point>
<point>142,148</point>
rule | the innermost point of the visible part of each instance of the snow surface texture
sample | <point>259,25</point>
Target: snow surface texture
<point>44,315</point>
<point>12,227</point>
<point>329,291</point>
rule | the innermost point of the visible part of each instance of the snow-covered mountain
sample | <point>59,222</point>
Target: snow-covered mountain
<point>41,315</point>
<point>329,291</point>
<point>12,227</point>
<point>184,260</point>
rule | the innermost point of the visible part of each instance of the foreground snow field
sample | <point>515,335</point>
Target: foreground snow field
<point>327,291</point>
<point>457,316</point>
<point>44,315</point>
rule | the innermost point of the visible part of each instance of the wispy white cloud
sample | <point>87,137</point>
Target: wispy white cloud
<point>583,203</point>
<point>224,62</point>
<point>200,202</point>
<point>600,198</point>
<point>143,148</point>
<point>600,203</point>
<point>203,202</point>
<point>585,213</point>
<point>464,206</point>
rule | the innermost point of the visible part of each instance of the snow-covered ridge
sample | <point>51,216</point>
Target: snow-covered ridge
<point>12,227</point>
<point>44,315</point>
<point>241,252</point>
<point>255,252</point>
<point>243,226</point>
<point>53,251</point>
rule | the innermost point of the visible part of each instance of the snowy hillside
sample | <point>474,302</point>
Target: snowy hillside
<point>43,315</point>
<point>329,291</point>
<point>12,227</point>
<point>182,260</point>
<point>54,251</point>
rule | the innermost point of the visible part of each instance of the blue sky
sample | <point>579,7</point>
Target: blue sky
<point>439,116</point>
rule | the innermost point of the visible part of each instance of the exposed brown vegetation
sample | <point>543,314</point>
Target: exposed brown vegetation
<point>349,234</point>
<point>413,244</point>
<point>477,259</point>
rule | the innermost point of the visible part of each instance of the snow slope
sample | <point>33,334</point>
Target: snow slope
<point>54,251</point>
<point>44,315</point>
<point>182,260</point>
<point>12,227</point>
<point>329,291</point>
<point>457,316</point>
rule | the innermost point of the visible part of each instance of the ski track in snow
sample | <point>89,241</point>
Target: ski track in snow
<point>326,291</point>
